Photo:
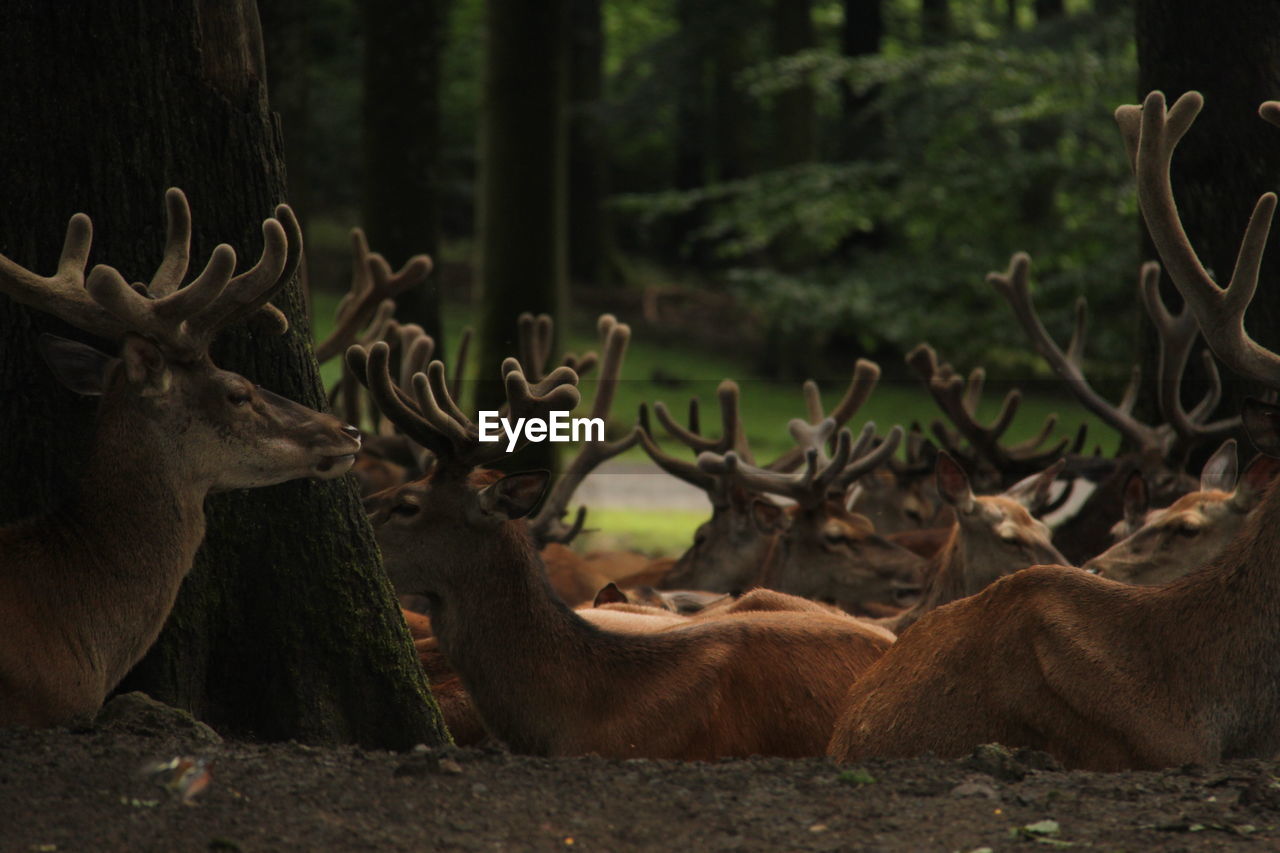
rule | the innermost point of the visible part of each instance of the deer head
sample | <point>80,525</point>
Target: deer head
<point>216,427</point>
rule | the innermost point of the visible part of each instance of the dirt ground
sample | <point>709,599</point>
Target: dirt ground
<point>85,789</point>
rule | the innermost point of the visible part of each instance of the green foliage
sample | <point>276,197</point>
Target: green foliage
<point>964,154</point>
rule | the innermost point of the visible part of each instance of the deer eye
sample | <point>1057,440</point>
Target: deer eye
<point>405,510</point>
<point>238,397</point>
<point>1188,530</point>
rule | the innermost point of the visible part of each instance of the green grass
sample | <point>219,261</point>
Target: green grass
<point>672,373</point>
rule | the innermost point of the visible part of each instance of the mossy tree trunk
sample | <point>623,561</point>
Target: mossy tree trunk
<point>286,627</point>
<point>403,46</point>
<point>523,214</point>
<point>1229,157</point>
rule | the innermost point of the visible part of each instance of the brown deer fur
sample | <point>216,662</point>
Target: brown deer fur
<point>548,682</point>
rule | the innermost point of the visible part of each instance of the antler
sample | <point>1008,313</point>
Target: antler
<point>1177,334</point>
<point>431,417</point>
<point>819,477</point>
<point>730,436</point>
<point>547,525</point>
<point>182,320</point>
<point>959,398</point>
<point>533,341</point>
<point>370,300</point>
<point>1151,134</point>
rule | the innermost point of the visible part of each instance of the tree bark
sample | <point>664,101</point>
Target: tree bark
<point>1230,156</point>
<point>862,34</point>
<point>1048,10</point>
<point>935,21</point>
<point>403,46</point>
<point>288,54</point>
<point>286,627</point>
<point>523,211</point>
<point>591,249</point>
<point>795,119</point>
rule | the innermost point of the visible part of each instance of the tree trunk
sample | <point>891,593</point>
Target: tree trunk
<point>288,55</point>
<point>286,627</point>
<point>793,112</point>
<point>1230,156</point>
<point>861,35</point>
<point>690,132</point>
<point>522,233</point>
<point>591,249</point>
<point>935,21</point>
<point>403,44</point>
<point>732,111</point>
<point>1048,10</point>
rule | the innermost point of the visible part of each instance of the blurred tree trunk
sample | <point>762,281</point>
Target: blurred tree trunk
<point>861,35</point>
<point>286,627</point>
<point>522,234</point>
<point>1011,15</point>
<point>935,21</point>
<point>287,46</point>
<point>591,247</point>
<point>732,111</point>
<point>1229,157</point>
<point>1048,10</point>
<point>403,43</point>
<point>691,137</point>
<point>794,119</point>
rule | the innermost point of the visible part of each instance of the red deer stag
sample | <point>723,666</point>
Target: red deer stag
<point>1164,544</point>
<point>730,548</point>
<point>545,680</point>
<point>826,552</point>
<point>85,590</point>
<point>1104,675</point>
<point>992,536</point>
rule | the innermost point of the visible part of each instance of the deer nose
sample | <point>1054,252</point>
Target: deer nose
<point>350,431</point>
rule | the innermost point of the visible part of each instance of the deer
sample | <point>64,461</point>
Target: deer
<point>823,551</point>
<point>1101,674</point>
<point>730,548</point>
<point>544,680</point>
<point>86,588</point>
<point>1159,451</point>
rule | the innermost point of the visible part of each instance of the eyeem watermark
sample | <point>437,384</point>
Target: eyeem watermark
<point>558,427</point>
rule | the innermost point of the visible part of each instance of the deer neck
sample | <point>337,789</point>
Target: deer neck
<point>525,657</point>
<point>945,583</point>
<point>124,541</point>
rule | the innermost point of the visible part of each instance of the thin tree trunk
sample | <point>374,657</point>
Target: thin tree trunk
<point>861,35</point>
<point>286,627</point>
<point>1048,10</point>
<point>522,233</point>
<point>935,21</point>
<point>1230,156</point>
<point>795,119</point>
<point>591,249</point>
<point>403,46</point>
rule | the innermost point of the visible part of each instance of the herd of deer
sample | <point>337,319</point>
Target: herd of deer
<point>861,595</point>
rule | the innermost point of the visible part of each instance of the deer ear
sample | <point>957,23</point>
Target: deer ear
<point>1253,483</point>
<point>609,594</point>
<point>768,517</point>
<point>1135,501</point>
<point>953,482</point>
<point>1220,472</point>
<point>78,366</point>
<point>515,495</point>
<point>145,366</point>
<point>1262,423</point>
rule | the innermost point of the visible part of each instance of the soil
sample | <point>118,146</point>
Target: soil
<point>84,788</point>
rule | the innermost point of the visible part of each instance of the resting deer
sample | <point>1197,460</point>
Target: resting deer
<point>1164,544</point>
<point>85,590</point>
<point>546,681</point>
<point>826,552</point>
<point>729,549</point>
<point>992,536</point>
<point>1105,675</point>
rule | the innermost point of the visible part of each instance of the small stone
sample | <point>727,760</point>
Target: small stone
<point>448,765</point>
<point>818,827</point>
<point>975,789</point>
<point>420,749</point>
